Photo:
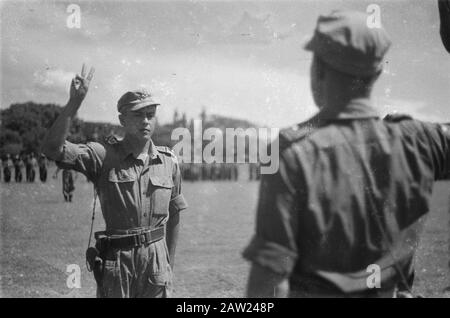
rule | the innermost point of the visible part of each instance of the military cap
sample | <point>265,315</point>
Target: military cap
<point>346,42</point>
<point>135,100</point>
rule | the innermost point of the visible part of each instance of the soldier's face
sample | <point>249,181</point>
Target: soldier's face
<point>141,123</point>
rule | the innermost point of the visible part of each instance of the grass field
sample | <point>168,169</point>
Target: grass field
<point>41,235</point>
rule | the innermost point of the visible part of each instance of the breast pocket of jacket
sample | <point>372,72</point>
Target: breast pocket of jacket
<point>121,180</point>
<point>160,191</point>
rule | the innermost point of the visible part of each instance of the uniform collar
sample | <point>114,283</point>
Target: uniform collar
<point>357,109</point>
<point>125,151</point>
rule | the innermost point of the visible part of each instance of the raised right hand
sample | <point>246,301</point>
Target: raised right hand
<point>80,84</point>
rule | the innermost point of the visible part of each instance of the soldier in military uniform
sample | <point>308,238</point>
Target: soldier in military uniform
<point>18,165</point>
<point>42,162</point>
<point>68,183</point>
<point>351,188</point>
<point>7,167</point>
<point>139,187</point>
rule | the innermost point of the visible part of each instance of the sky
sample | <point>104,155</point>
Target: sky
<point>232,58</point>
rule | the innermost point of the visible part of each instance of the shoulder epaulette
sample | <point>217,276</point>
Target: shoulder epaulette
<point>110,140</point>
<point>295,133</point>
<point>396,117</point>
<point>165,150</point>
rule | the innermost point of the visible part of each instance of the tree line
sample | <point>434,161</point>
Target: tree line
<point>23,127</point>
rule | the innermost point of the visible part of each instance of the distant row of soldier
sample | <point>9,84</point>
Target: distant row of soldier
<point>189,171</point>
<point>216,172</point>
<point>29,162</point>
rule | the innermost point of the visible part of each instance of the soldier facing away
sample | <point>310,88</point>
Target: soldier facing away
<point>139,188</point>
<point>351,188</point>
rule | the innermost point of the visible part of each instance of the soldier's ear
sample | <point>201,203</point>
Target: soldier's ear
<point>121,119</point>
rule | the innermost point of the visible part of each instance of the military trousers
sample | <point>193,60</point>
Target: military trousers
<point>141,272</point>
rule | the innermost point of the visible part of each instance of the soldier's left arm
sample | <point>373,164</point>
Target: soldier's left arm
<point>177,203</point>
<point>273,249</point>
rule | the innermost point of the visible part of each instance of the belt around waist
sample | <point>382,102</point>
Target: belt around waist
<point>130,238</point>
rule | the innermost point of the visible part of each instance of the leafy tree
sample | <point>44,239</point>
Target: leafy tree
<point>23,127</point>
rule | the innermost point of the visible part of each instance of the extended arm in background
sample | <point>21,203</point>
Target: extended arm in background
<point>444,14</point>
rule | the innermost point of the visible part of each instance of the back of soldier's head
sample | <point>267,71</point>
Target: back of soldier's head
<point>357,85</point>
<point>349,46</point>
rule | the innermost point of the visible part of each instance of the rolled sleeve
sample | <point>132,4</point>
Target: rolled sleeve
<point>274,244</point>
<point>274,256</point>
<point>177,200</point>
<point>178,203</point>
<point>85,158</point>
